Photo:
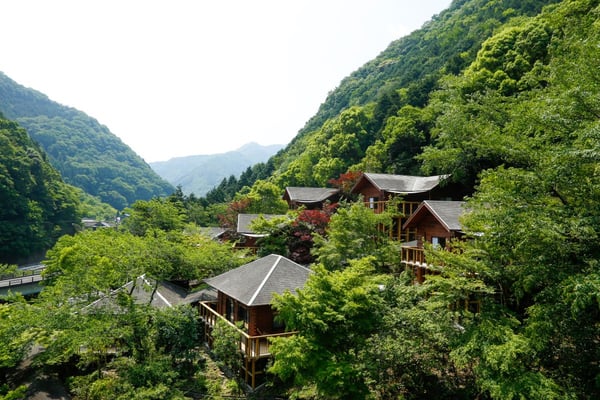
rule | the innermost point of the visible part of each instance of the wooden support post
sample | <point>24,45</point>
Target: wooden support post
<point>246,370</point>
<point>253,373</point>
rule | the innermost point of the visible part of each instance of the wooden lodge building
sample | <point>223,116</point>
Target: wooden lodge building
<point>244,295</point>
<point>377,190</point>
<point>435,222</point>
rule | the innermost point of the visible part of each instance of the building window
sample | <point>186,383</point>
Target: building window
<point>277,322</point>
<point>229,310</point>
<point>438,242</point>
<point>242,315</point>
<point>372,201</point>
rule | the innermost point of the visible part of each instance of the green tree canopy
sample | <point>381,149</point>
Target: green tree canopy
<point>355,232</point>
<point>144,216</point>
<point>334,314</point>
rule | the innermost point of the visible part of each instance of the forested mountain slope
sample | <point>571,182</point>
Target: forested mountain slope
<point>85,152</point>
<point>36,206</point>
<point>519,123</point>
<point>200,173</point>
<point>377,118</point>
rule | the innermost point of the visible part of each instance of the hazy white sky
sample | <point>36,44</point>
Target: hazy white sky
<point>185,77</point>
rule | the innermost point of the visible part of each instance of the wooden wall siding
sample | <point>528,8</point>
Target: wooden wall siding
<point>294,205</point>
<point>429,227</point>
<point>372,191</point>
<point>246,242</point>
<point>264,320</point>
<point>232,314</point>
<point>221,300</point>
<point>260,318</point>
<point>253,317</point>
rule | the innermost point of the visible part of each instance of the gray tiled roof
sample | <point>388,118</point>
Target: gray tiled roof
<point>213,232</point>
<point>244,221</point>
<point>254,283</point>
<point>404,183</point>
<point>167,294</point>
<point>310,194</point>
<point>446,212</point>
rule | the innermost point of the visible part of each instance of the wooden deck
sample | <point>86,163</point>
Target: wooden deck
<point>414,256</point>
<point>251,346</point>
<point>403,209</point>
<point>254,348</point>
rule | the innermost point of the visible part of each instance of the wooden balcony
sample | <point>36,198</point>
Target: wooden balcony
<point>413,259</point>
<point>403,210</point>
<point>413,256</point>
<point>253,348</point>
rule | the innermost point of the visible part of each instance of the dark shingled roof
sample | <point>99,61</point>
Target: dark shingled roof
<point>402,183</point>
<point>309,194</point>
<point>446,212</point>
<point>167,294</point>
<point>244,221</point>
<point>213,232</point>
<point>253,284</point>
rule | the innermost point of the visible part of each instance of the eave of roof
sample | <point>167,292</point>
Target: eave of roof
<point>400,184</point>
<point>309,194</point>
<point>167,294</point>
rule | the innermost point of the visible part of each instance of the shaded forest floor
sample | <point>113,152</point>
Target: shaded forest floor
<point>41,384</point>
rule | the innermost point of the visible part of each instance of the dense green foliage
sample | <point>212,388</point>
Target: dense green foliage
<point>294,234</point>
<point>36,206</point>
<point>85,152</point>
<point>334,314</point>
<point>92,207</point>
<point>446,44</point>
<point>91,323</point>
<point>498,93</point>
<point>538,247</point>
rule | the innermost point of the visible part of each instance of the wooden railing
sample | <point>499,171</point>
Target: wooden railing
<point>413,259</point>
<point>404,209</point>
<point>413,256</point>
<point>252,347</point>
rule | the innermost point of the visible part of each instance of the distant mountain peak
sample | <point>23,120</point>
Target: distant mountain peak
<point>199,173</point>
<point>255,145</point>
